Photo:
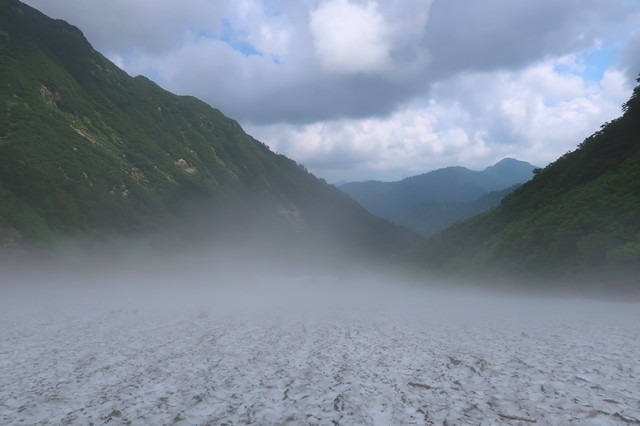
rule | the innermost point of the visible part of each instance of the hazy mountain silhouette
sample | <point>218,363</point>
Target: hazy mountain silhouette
<point>432,201</point>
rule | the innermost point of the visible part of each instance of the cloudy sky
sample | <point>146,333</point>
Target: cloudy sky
<point>366,89</point>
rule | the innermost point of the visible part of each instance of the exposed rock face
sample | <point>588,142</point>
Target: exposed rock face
<point>49,96</point>
<point>186,167</point>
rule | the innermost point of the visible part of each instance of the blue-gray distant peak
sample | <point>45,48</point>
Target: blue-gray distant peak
<point>396,200</point>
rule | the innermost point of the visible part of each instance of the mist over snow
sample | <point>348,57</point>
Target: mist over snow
<point>192,340</point>
<point>291,312</point>
<point>357,89</point>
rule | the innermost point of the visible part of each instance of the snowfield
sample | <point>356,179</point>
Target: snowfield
<point>314,353</point>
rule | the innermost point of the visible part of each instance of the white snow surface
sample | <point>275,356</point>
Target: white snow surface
<point>314,352</point>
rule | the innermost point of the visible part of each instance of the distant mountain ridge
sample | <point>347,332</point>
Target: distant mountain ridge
<point>411,201</point>
<point>87,150</point>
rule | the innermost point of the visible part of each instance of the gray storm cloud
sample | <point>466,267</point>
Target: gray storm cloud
<point>332,58</point>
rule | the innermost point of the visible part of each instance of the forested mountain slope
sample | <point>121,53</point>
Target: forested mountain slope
<point>431,217</point>
<point>576,221</point>
<point>87,150</point>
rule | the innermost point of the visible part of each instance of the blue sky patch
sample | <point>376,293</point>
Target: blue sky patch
<point>595,62</point>
<point>232,38</point>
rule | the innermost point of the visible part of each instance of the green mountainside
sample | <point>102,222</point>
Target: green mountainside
<point>87,150</point>
<point>433,201</point>
<point>577,220</point>
<point>431,217</point>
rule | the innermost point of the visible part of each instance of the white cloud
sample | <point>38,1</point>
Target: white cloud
<point>350,37</point>
<point>536,115</point>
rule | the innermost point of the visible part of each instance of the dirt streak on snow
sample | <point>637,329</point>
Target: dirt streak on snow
<point>435,361</point>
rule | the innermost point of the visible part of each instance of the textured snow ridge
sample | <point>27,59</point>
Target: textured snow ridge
<point>577,364</point>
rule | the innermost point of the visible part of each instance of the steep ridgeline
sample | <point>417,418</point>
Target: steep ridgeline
<point>432,201</point>
<point>576,222</point>
<point>87,150</point>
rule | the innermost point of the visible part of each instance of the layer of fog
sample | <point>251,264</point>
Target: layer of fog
<point>228,282</point>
